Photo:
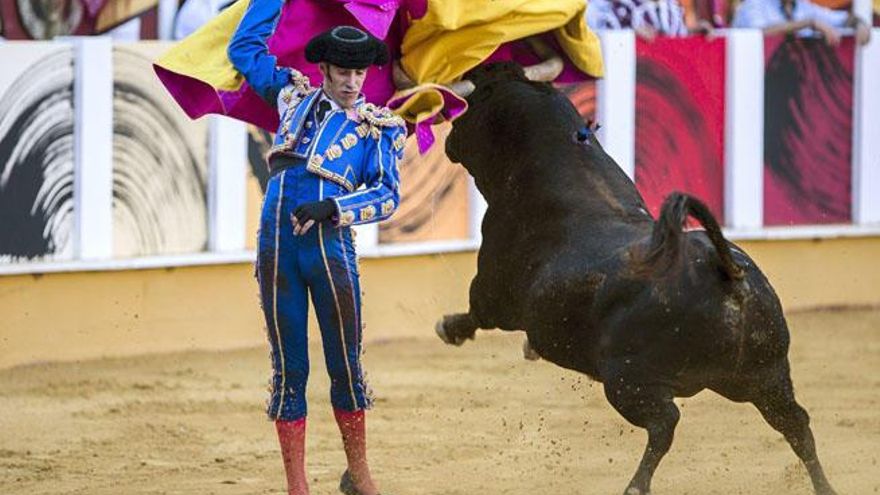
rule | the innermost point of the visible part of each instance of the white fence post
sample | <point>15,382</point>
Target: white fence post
<point>167,15</point>
<point>227,192</point>
<point>93,148</point>
<point>866,133</point>
<point>616,98</point>
<point>367,237</point>
<point>744,130</point>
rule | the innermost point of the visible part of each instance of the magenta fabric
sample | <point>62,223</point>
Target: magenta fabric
<point>453,107</point>
<point>375,16</point>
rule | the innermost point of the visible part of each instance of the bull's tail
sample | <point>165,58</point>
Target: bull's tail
<point>668,244</point>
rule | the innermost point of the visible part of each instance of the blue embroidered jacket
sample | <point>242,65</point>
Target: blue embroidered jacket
<point>356,153</point>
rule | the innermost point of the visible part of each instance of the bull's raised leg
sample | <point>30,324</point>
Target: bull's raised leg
<point>779,408</point>
<point>454,329</point>
<point>649,407</point>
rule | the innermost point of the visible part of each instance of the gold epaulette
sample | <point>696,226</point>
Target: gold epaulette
<point>300,81</point>
<point>379,116</point>
<point>298,88</point>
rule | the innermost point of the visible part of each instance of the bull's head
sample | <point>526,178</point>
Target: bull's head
<point>513,123</point>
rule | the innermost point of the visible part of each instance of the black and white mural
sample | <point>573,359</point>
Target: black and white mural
<point>36,152</point>
<point>159,162</point>
<point>159,158</point>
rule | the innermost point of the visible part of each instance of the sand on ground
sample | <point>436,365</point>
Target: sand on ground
<point>471,420</point>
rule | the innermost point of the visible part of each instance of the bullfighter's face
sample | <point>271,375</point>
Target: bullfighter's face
<point>343,85</point>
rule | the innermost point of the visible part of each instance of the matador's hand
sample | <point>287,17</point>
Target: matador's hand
<point>308,214</point>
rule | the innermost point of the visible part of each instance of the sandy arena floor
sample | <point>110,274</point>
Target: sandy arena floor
<point>472,420</point>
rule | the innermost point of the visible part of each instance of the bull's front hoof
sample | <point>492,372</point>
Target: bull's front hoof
<point>636,491</point>
<point>440,328</point>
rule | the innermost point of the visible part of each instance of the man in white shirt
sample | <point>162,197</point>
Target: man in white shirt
<point>799,16</point>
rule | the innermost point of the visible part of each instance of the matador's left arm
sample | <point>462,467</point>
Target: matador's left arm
<point>381,195</point>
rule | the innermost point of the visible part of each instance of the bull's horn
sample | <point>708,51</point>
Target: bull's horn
<point>400,77</point>
<point>545,71</point>
<point>462,88</point>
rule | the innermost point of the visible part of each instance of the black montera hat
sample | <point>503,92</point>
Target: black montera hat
<point>347,47</point>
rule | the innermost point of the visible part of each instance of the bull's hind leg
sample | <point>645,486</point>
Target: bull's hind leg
<point>650,407</point>
<point>454,329</point>
<point>780,409</point>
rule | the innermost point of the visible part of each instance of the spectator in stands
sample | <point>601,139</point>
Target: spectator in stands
<point>648,18</point>
<point>193,13</point>
<point>801,17</point>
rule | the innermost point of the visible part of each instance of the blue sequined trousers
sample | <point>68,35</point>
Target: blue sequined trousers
<point>322,263</point>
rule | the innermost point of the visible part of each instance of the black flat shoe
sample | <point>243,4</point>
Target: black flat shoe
<point>346,485</point>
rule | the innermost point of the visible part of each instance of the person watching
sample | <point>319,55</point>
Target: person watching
<point>801,17</point>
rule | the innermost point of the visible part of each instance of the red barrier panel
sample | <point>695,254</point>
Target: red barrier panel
<point>808,116</point>
<point>680,120</point>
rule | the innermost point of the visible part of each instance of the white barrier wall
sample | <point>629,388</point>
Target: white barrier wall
<point>866,134</point>
<point>97,148</point>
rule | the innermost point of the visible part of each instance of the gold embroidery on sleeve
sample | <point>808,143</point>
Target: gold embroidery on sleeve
<point>399,142</point>
<point>333,152</point>
<point>347,218</point>
<point>349,141</point>
<point>368,213</point>
<point>388,207</point>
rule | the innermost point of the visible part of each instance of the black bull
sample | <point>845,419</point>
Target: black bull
<point>571,256</point>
